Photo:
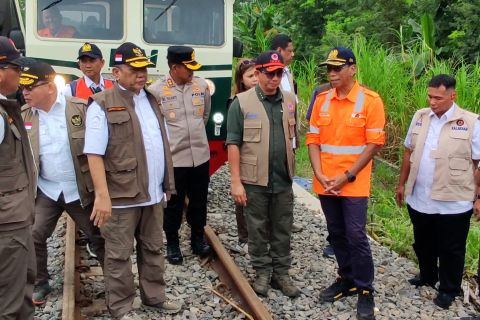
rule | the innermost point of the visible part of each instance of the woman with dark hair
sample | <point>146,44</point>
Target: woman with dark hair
<point>245,79</point>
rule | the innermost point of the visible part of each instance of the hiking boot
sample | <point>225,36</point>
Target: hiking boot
<point>200,247</point>
<point>418,281</point>
<point>296,228</point>
<point>130,315</point>
<point>174,255</point>
<point>285,284</point>
<point>444,300</point>
<point>168,307</point>
<point>339,289</point>
<point>260,285</point>
<point>40,293</point>
<point>365,305</point>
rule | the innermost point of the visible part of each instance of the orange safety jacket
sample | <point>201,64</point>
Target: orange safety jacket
<point>342,128</point>
<point>80,90</point>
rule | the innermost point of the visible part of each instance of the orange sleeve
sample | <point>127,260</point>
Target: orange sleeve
<point>313,133</point>
<point>375,125</point>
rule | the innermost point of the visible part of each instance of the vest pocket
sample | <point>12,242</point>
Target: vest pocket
<point>13,177</point>
<point>15,207</point>
<point>252,131</point>
<point>356,122</point>
<point>291,128</point>
<point>119,124</point>
<point>122,177</point>
<point>248,168</point>
<point>458,170</point>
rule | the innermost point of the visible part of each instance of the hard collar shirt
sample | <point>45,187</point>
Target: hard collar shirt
<point>89,83</point>
<point>96,141</point>
<point>421,197</point>
<point>2,123</point>
<point>57,173</point>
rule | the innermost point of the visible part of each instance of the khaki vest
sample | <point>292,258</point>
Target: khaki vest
<point>75,110</point>
<point>125,157</point>
<point>256,134</point>
<point>454,169</point>
<point>186,110</point>
<point>17,171</point>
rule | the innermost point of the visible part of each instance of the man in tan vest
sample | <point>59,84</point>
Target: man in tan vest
<point>260,134</point>
<point>17,194</point>
<point>442,150</point>
<point>56,127</point>
<point>129,156</point>
<point>185,104</point>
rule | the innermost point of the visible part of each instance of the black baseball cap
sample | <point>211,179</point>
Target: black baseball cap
<point>270,61</point>
<point>339,56</point>
<point>36,72</point>
<point>129,53</point>
<point>90,50</point>
<point>184,55</point>
<point>8,52</point>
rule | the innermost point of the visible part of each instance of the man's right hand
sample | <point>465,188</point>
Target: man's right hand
<point>400,195</point>
<point>102,210</point>
<point>238,193</point>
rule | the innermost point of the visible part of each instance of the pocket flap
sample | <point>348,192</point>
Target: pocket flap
<point>249,160</point>
<point>121,164</point>
<point>252,124</point>
<point>356,122</point>
<point>459,164</point>
<point>118,116</point>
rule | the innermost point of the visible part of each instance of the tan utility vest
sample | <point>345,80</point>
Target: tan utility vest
<point>454,169</point>
<point>17,171</point>
<point>125,158</point>
<point>75,111</point>
<point>255,147</point>
<point>186,110</point>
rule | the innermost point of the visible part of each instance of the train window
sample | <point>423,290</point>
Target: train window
<point>184,22</point>
<point>80,19</point>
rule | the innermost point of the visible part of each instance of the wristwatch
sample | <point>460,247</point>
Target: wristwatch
<point>350,176</point>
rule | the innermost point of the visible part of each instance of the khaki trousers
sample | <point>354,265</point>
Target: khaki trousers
<point>144,224</point>
<point>17,274</point>
<point>47,213</point>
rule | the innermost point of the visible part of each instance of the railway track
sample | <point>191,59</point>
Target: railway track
<point>233,288</point>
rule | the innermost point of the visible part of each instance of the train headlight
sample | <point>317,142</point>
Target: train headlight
<point>211,86</point>
<point>218,118</point>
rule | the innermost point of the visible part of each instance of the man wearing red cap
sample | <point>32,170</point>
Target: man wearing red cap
<point>260,137</point>
<point>17,192</point>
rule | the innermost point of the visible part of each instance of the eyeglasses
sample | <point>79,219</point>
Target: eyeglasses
<point>336,68</point>
<point>270,75</point>
<point>33,86</point>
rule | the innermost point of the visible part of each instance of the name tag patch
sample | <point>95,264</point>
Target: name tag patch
<point>251,116</point>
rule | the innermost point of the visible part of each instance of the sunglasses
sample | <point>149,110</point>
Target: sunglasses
<point>270,75</point>
<point>336,68</point>
<point>33,86</point>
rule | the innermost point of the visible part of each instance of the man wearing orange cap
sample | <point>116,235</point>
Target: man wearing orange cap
<point>260,136</point>
<point>185,104</point>
<point>131,166</point>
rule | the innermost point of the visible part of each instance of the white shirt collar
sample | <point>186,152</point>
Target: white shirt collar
<point>447,114</point>
<point>89,82</point>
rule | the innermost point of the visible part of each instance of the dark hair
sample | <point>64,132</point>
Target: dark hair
<point>280,41</point>
<point>242,66</point>
<point>445,80</point>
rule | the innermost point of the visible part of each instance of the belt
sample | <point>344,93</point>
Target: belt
<point>3,194</point>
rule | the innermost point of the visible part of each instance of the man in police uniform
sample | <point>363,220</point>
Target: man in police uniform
<point>346,130</point>
<point>90,62</point>
<point>17,192</point>
<point>442,150</point>
<point>56,128</point>
<point>185,104</point>
<point>260,135</point>
<point>129,157</point>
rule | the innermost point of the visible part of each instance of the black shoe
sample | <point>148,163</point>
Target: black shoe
<point>417,281</point>
<point>200,247</point>
<point>174,255</point>
<point>339,289</point>
<point>444,300</point>
<point>365,305</point>
<point>328,252</point>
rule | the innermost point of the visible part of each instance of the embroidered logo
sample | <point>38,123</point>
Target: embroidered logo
<point>76,120</point>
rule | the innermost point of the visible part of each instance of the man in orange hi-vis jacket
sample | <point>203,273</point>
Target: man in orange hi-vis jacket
<point>346,130</point>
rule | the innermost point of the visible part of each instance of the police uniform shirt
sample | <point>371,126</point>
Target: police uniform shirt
<point>96,141</point>
<point>2,123</point>
<point>89,83</point>
<point>421,199</point>
<point>57,173</point>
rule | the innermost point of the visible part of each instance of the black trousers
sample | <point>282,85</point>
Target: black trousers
<point>440,241</point>
<point>193,183</point>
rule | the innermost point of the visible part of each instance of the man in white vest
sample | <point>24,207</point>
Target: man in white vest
<point>442,149</point>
